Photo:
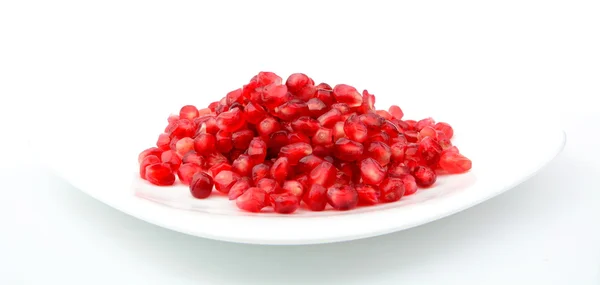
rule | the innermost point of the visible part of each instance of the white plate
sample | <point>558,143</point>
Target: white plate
<point>101,160</point>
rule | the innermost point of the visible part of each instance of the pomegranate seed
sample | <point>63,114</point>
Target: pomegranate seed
<point>265,78</point>
<point>371,172</point>
<point>380,151</point>
<point>188,112</point>
<point>215,169</point>
<point>298,138</point>
<point>241,139</point>
<point>293,187</point>
<point>367,194</point>
<point>187,171</point>
<point>239,188</point>
<point>181,128</point>
<point>276,142</point>
<point>280,169</point>
<point>151,151</point>
<point>163,141</point>
<point>323,150</point>
<point>231,120</point>
<point>201,185</point>
<point>205,144</point>
<point>284,203</point>
<point>368,104</point>
<point>326,96</point>
<point>303,179</point>
<point>173,144</point>
<point>274,95</point>
<point>268,185</point>
<point>242,165</point>
<point>171,158</point>
<point>213,106</point>
<point>424,176</point>
<point>148,160</point>
<point>253,200</point>
<point>224,141</point>
<point>410,184</point>
<point>397,151</point>
<point>391,129</point>
<point>160,174</point>
<point>372,120</point>
<point>268,126</point>
<point>257,150</point>
<point>260,171</point>
<point>347,94</point>
<point>292,110</point>
<point>424,123</point>
<point>445,128</point>
<point>352,170</point>
<point>254,113</point>
<point>348,150</point>
<point>399,139</point>
<point>316,197</point>
<point>384,114</point>
<point>379,137</point>
<point>342,197</point>
<point>316,107</point>
<point>207,124</point>
<point>193,157</point>
<point>391,190</point>
<point>234,96</point>
<point>338,131</point>
<point>297,81</point>
<point>330,118</point>
<point>445,143</point>
<point>428,132</point>
<point>173,118</point>
<point>396,112</point>
<point>306,125</point>
<point>308,163</point>
<point>214,159</point>
<point>323,174</point>
<point>355,129</point>
<point>397,170</point>
<point>430,151</point>
<point>295,151</point>
<point>454,162</point>
<point>342,107</point>
<point>412,136</point>
<point>323,137</point>
<point>224,180</point>
<point>184,145</point>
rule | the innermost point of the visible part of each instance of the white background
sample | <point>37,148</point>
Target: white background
<point>502,58</point>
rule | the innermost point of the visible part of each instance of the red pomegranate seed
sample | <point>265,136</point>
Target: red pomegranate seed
<point>391,190</point>
<point>323,174</point>
<point>306,125</point>
<point>239,188</point>
<point>384,114</point>
<point>379,151</point>
<point>171,158</point>
<point>280,169</point>
<point>260,171</point>
<point>231,120</point>
<point>215,169</point>
<point>268,126</point>
<point>163,141</point>
<point>424,123</point>
<point>213,106</point>
<point>293,187</point>
<point>297,137</point>
<point>342,197</point>
<point>428,132</point>
<point>323,137</point>
<point>264,78</point>
<point>316,107</point>
<point>329,119</point>
<point>410,184</point>
<point>342,107</point>
<point>347,94</point>
<point>269,185</point>
<point>172,118</point>
<point>396,112</point>
<point>430,151</point>
<point>224,141</point>
<point>316,198</point>
<point>253,200</point>
<point>371,120</point>
<point>187,171</point>
<point>445,128</point>
<point>257,150</point>
<point>160,174</point>
<point>148,160</point>
<point>412,136</point>
<point>214,159</point>
<point>201,185</point>
<point>411,152</point>
<point>347,150</point>
<point>371,172</point>
<point>274,95</point>
<point>254,113</point>
<point>367,194</point>
<point>292,110</point>
<point>184,145</point>
<point>295,151</point>
<point>445,143</point>
<point>242,165</point>
<point>284,203</point>
<point>188,112</point>
<point>241,139</point>
<point>391,129</point>
<point>338,131</point>
<point>397,170</point>
<point>352,170</point>
<point>297,81</point>
<point>181,128</point>
<point>173,144</point>
<point>193,157</point>
<point>326,96</point>
<point>424,176</point>
<point>454,162</point>
<point>234,96</point>
<point>303,179</point>
<point>308,163</point>
<point>397,151</point>
<point>355,129</point>
<point>224,180</point>
<point>323,150</point>
<point>205,144</point>
<point>379,137</point>
<point>278,140</point>
<point>151,151</point>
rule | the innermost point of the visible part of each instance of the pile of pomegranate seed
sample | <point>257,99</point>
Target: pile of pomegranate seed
<point>295,144</point>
